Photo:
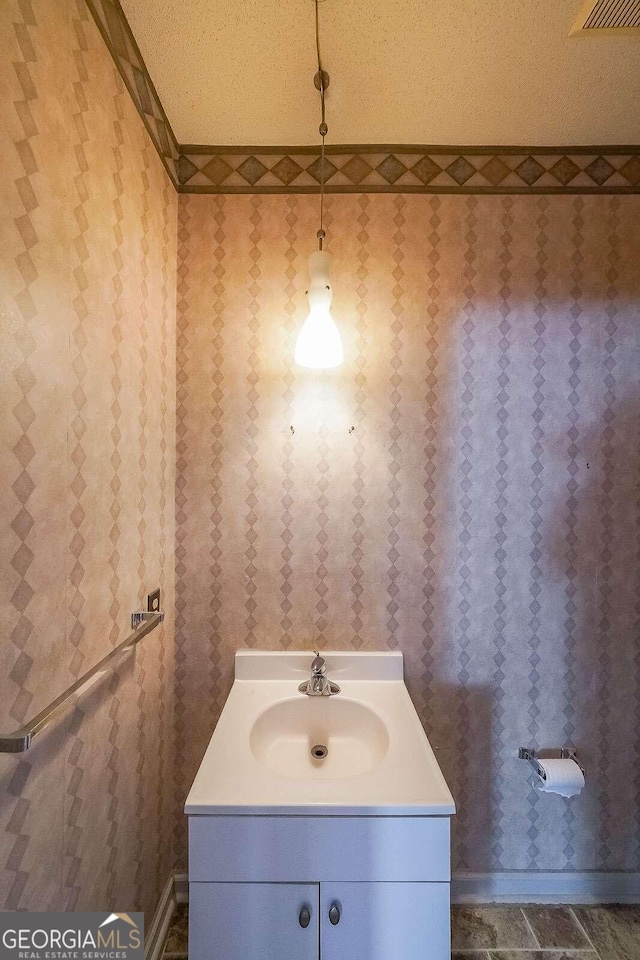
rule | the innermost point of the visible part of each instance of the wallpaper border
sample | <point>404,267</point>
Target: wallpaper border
<point>125,53</point>
<point>381,168</point>
<point>360,168</point>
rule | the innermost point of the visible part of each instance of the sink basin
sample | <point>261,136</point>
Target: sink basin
<point>378,762</point>
<point>284,736</point>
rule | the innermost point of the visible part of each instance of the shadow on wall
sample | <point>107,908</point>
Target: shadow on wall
<point>469,767</point>
<point>593,704</point>
<point>589,553</point>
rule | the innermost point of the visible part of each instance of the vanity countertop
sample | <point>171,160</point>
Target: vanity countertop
<point>379,762</point>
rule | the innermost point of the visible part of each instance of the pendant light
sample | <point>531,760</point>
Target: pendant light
<point>319,345</point>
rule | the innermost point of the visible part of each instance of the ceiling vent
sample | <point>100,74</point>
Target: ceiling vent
<point>609,16</point>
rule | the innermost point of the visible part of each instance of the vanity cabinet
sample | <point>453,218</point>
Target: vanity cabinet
<point>373,888</point>
<point>331,921</point>
<point>254,921</point>
<point>384,921</point>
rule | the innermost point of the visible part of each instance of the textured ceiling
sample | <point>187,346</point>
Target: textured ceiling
<point>402,71</point>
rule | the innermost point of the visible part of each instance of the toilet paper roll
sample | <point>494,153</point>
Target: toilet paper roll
<point>560,776</point>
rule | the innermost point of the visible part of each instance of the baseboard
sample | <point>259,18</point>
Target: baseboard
<point>182,887</point>
<point>521,886</point>
<point>531,886</point>
<point>157,933</point>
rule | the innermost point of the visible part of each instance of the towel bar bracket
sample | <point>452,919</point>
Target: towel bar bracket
<point>144,616</point>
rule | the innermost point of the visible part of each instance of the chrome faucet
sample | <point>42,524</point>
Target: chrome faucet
<point>318,685</point>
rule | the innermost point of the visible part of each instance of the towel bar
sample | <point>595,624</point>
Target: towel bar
<point>22,739</point>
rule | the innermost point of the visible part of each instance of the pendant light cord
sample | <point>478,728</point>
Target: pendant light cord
<point>321,78</point>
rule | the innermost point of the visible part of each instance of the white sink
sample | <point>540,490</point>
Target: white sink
<point>378,761</point>
<point>290,738</point>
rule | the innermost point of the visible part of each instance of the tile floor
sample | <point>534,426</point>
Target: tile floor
<point>539,932</point>
<point>177,942</point>
<point>528,932</point>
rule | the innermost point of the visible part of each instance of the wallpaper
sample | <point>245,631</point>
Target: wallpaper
<point>465,488</point>
<point>88,253</point>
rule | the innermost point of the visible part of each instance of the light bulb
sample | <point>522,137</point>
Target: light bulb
<point>319,344</point>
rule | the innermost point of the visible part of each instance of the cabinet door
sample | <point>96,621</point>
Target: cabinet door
<point>253,921</point>
<point>385,921</point>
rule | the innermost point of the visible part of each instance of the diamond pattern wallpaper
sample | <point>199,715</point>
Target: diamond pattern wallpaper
<point>87,252</point>
<point>464,488</point>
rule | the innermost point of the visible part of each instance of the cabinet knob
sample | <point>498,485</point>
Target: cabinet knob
<point>304,918</point>
<point>334,914</point>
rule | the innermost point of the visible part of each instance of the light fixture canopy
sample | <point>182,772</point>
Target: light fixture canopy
<point>319,345</point>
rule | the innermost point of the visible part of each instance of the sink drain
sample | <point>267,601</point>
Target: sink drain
<point>319,752</point>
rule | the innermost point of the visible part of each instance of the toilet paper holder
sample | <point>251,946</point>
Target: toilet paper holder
<point>551,753</point>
